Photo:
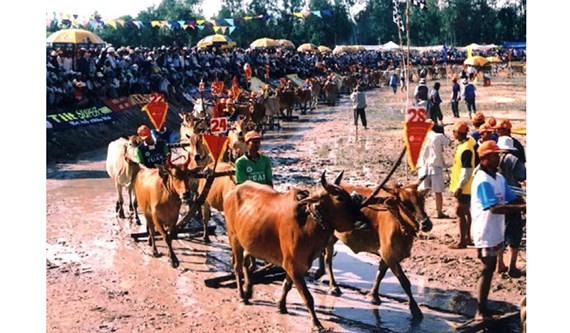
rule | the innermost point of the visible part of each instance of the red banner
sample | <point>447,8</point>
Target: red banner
<point>216,144</point>
<point>416,128</point>
<point>156,110</point>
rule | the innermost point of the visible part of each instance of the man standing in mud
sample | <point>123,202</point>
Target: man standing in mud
<point>359,105</point>
<point>492,198</point>
<point>460,184</point>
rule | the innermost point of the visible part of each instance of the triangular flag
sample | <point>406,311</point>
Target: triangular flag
<point>299,14</point>
<point>112,23</point>
<point>247,18</point>
<point>232,29</point>
<point>317,12</point>
<point>201,27</point>
<point>155,23</point>
<point>182,23</point>
<point>326,12</point>
<point>306,13</point>
<point>216,144</point>
<point>230,21</point>
<point>200,22</point>
<point>224,30</point>
<point>216,28</point>
<point>156,110</point>
<point>415,132</point>
<point>137,24</point>
<point>121,22</point>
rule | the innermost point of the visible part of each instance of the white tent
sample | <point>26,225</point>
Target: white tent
<point>390,46</point>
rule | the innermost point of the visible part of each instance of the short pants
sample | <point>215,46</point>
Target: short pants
<point>435,182</point>
<point>491,251</point>
<point>513,229</point>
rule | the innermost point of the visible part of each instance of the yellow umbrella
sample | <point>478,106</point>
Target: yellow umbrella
<point>216,40</point>
<point>476,61</point>
<point>324,49</point>
<point>264,43</point>
<point>74,37</point>
<point>339,49</point>
<point>494,59</point>
<point>308,47</point>
<point>286,44</point>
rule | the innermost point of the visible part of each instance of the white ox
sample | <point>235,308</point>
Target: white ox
<point>122,169</point>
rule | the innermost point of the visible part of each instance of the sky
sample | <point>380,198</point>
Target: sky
<point>112,9</point>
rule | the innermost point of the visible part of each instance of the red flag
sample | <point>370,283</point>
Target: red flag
<point>267,71</point>
<point>201,86</point>
<point>216,144</point>
<point>415,131</point>
<point>247,70</point>
<point>235,89</point>
<point>217,87</point>
<point>156,110</point>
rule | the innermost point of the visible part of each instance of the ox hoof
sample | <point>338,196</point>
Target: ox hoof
<point>138,221</point>
<point>122,215</point>
<point>283,310</point>
<point>336,291</point>
<point>416,313</point>
<point>175,263</point>
<point>207,240</point>
<point>245,301</point>
<point>374,299</point>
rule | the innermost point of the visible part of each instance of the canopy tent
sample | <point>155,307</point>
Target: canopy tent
<point>324,49</point>
<point>514,45</point>
<point>75,38</point>
<point>217,40</point>
<point>390,46</point>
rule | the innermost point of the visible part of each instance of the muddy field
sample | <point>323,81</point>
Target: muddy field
<point>98,279</point>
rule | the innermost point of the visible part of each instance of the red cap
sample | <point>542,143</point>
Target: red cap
<point>488,147</point>
<point>461,127</point>
<point>252,135</point>
<point>504,123</point>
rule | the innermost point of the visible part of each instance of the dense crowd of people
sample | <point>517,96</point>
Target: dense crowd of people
<point>90,76</point>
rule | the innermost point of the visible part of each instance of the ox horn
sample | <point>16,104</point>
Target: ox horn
<point>324,182</point>
<point>368,200</point>
<point>339,178</point>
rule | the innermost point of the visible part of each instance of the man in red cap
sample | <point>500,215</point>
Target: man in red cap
<point>151,152</point>
<point>460,183</point>
<point>492,198</point>
<point>254,165</point>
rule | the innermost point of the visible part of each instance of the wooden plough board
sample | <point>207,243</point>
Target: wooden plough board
<point>472,325</point>
<point>191,231</point>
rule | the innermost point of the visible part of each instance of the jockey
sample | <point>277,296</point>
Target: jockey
<point>151,152</point>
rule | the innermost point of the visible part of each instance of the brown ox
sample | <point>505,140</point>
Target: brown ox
<point>331,92</point>
<point>395,223</point>
<point>215,199</point>
<point>286,101</point>
<point>272,111</point>
<point>273,226</point>
<point>315,92</point>
<point>303,98</point>
<point>160,192</point>
<point>236,140</point>
<point>122,168</point>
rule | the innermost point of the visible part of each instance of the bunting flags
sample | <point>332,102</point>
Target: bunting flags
<point>396,16</point>
<point>73,20</point>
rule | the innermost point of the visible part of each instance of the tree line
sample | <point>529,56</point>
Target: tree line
<point>450,22</point>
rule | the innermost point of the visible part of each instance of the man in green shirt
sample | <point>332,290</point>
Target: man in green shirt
<point>253,165</point>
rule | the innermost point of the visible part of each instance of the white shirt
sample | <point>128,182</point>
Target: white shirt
<point>487,229</point>
<point>431,156</point>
